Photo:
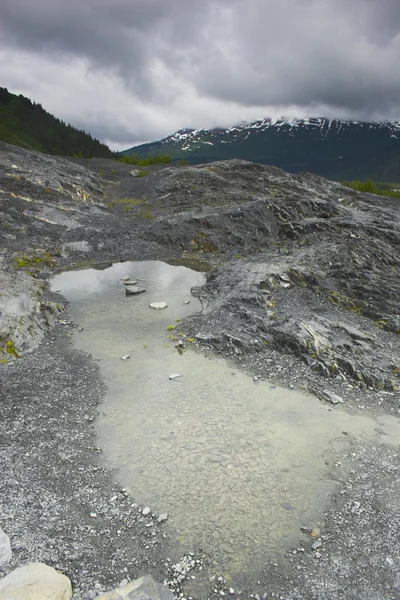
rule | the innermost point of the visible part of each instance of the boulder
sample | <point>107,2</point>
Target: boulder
<point>35,581</point>
<point>144,588</point>
<point>5,549</point>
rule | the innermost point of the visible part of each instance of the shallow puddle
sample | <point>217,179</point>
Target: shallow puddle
<point>239,466</point>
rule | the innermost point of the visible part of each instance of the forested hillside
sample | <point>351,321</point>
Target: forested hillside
<point>25,123</point>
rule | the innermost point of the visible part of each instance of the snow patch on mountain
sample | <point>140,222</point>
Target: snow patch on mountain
<point>197,137</point>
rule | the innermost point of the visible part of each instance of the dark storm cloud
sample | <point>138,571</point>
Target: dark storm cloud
<point>187,58</point>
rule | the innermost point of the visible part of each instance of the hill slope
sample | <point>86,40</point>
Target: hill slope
<point>27,124</point>
<point>331,148</point>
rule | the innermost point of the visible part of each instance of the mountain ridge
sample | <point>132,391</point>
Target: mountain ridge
<point>332,148</point>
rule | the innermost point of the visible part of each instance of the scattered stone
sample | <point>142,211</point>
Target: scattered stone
<point>125,278</point>
<point>130,281</point>
<point>316,545</point>
<point>146,511</point>
<point>125,357</point>
<point>175,375</point>
<point>186,302</point>
<point>144,588</point>
<point>135,172</point>
<point>331,397</point>
<point>162,518</point>
<point>158,305</point>
<point>5,549</point>
<point>133,290</point>
<point>35,581</point>
<point>315,532</point>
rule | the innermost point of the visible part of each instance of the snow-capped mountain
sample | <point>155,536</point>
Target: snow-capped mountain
<point>329,147</point>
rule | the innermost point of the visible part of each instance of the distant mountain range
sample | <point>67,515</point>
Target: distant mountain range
<point>25,123</point>
<point>341,150</point>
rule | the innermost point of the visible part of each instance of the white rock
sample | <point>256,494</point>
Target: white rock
<point>146,511</point>
<point>35,581</point>
<point>125,357</point>
<point>5,549</point>
<point>162,518</point>
<point>331,397</point>
<point>175,375</point>
<point>140,589</point>
<point>158,305</point>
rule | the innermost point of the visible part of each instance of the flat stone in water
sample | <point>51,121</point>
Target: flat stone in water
<point>133,290</point>
<point>158,305</point>
<point>130,281</point>
<point>175,375</point>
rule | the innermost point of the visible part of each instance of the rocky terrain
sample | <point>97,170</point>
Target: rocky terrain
<point>302,289</point>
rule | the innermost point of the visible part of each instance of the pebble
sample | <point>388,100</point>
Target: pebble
<point>162,518</point>
<point>175,375</point>
<point>146,511</point>
<point>316,545</point>
<point>125,357</point>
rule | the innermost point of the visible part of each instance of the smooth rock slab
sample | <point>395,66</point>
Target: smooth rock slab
<point>158,305</point>
<point>133,290</point>
<point>144,588</point>
<point>5,549</point>
<point>35,581</point>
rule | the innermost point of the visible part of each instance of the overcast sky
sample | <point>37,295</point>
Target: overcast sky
<point>131,71</point>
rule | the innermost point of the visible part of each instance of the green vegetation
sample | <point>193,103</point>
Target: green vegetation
<point>170,327</point>
<point>341,300</point>
<point>27,124</point>
<point>7,348</point>
<point>141,161</point>
<point>378,188</point>
<point>191,262</point>
<point>32,263</point>
<point>128,202</point>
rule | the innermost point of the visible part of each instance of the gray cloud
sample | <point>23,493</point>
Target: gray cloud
<point>134,70</point>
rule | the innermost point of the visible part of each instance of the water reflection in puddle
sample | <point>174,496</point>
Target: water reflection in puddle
<point>239,466</point>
